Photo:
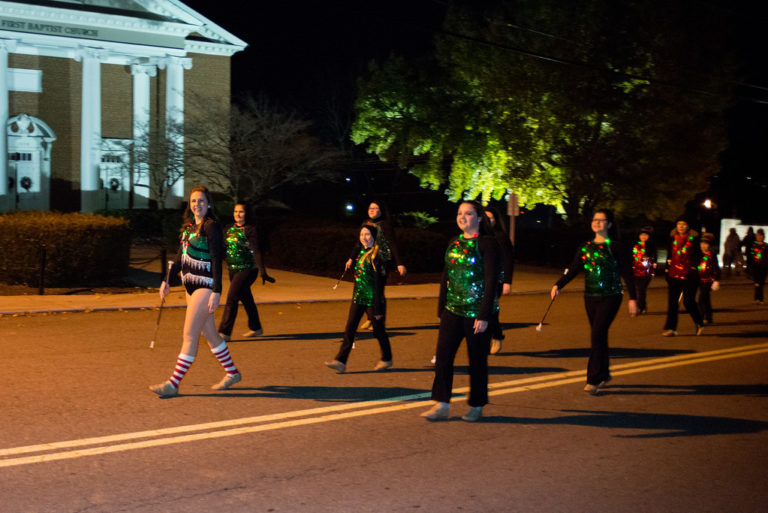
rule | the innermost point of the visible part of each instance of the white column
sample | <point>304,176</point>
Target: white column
<point>141,74</point>
<point>90,131</point>
<point>174,116</point>
<point>5,47</point>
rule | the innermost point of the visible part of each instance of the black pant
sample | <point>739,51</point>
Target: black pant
<point>641,285</point>
<point>240,291</point>
<point>356,312</point>
<point>688,288</point>
<point>453,329</point>
<point>759,277</point>
<point>601,310</point>
<point>705,303</point>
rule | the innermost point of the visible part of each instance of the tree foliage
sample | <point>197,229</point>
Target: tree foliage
<point>572,104</point>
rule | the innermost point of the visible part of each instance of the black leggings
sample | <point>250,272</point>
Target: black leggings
<point>453,329</point>
<point>688,288</point>
<point>759,275</point>
<point>356,312</point>
<point>240,291</point>
<point>601,311</point>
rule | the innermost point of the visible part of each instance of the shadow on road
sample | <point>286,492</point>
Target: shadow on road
<point>319,393</point>
<point>656,425</point>
<point>615,352</point>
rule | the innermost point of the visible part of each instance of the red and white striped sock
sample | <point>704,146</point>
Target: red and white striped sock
<point>182,366</point>
<point>225,359</point>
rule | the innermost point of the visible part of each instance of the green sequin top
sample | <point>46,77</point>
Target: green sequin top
<point>471,276</point>
<point>239,255</point>
<point>601,271</point>
<point>369,280</point>
<point>604,266</point>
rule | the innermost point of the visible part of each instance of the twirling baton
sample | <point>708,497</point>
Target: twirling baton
<point>338,282</point>
<point>162,302</point>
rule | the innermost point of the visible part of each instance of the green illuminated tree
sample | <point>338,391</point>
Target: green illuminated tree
<point>572,104</point>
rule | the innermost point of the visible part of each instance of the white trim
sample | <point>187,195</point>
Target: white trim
<point>25,80</point>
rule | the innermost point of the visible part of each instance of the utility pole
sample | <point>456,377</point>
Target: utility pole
<point>513,210</point>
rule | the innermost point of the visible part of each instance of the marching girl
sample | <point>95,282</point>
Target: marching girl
<point>709,276</point>
<point>604,266</point>
<point>367,297</point>
<point>199,259</point>
<point>244,263</point>
<point>385,240</point>
<point>758,256</point>
<point>683,257</point>
<point>643,265</point>
<point>466,304</point>
<point>507,255</point>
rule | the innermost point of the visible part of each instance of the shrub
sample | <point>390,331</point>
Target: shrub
<point>80,249</point>
<point>320,247</point>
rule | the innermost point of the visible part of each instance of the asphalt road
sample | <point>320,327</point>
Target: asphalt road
<point>684,426</point>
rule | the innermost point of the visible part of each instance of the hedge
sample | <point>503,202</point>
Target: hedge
<point>322,247</point>
<point>80,249</point>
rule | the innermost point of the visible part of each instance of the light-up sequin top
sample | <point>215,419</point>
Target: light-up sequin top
<point>364,292</point>
<point>604,266</point>
<point>465,277</point>
<point>642,263</point>
<point>681,258</point>
<point>601,272</point>
<point>709,270</point>
<point>239,255</point>
<point>758,254</point>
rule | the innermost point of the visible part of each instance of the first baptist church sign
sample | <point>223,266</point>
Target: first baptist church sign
<point>104,33</point>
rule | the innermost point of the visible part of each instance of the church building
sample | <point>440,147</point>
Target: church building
<point>83,81</point>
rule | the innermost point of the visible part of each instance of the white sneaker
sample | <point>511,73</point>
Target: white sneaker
<point>473,414</point>
<point>495,345</point>
<point>227,381</point>
<point>440,411</point>
<point>337,366</point>
<point>383,365</point>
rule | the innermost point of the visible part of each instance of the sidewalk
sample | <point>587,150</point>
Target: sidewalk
<point>290,287</point>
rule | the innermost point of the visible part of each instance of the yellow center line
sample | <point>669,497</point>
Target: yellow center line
<point>161,437</point>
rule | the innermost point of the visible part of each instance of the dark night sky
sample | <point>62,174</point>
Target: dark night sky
<point>295,44</point>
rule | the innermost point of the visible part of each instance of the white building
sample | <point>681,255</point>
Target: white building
<point>80,80</point>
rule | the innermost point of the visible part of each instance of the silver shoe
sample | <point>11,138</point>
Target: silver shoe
<point>225,338</point>
<point>227,381</point>
<point>495,345</point>
<point>473,414</point>
<point>383,365</point>
<point>440,411</point>
<point>253,333</point>
<point>165,389</point>
<point>337,366</point>
<point>591,389</point>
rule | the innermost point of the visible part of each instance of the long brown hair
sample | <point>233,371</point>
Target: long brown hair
<point>189,217</point>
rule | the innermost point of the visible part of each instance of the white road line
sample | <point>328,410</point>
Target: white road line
<point>212,430</point>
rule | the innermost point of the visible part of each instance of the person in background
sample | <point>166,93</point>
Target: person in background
<point>367,297</point>
<point>746,243</point>
<point>508,266</point>
<point>199,258</point>
<point>244,263</point>
<point>732,252</point>
<point>709,276</point>
<point>683,257</point>
<point>643,265</point>
<point>467,302</point>
<point>758,255</point>
<point>604,266</point>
